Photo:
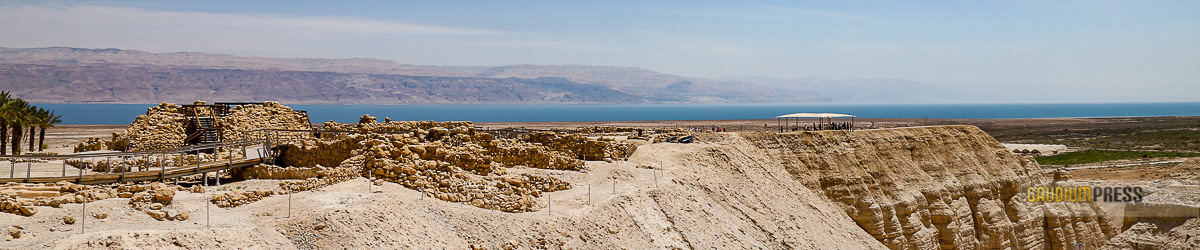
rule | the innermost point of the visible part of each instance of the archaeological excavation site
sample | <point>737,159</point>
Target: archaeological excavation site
<point>264,176</point>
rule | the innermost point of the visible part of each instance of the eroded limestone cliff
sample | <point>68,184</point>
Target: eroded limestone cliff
<point>934,187</point>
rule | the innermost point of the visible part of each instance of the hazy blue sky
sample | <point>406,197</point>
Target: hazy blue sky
<point>1042,51</point>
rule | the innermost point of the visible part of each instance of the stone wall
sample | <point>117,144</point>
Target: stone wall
<point>162,127</point>
<point>311,153</point>
<point>266,171</point>
<point>243,120</point>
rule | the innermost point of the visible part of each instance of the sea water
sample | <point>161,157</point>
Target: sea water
<point>125,113</point>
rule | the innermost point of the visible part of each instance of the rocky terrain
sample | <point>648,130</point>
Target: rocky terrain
<point>72,75</point>
<point>444,185</point>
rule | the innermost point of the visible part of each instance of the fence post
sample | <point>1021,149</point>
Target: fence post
<point>28,170</point>
<point>655,173</point>
<point>122,172</point>
<point>64,167</point>
<point>83,223</point>
<point>12,168</point>
<point>162,174</point>
<point>207,214</point>
<point>81,174</point>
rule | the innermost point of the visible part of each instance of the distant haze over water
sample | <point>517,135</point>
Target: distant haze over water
<point>121,114</point>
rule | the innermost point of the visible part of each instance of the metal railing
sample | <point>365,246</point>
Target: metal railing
<point>146,165</point>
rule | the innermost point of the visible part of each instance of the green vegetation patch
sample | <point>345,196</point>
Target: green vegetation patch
<point>1090,156</point>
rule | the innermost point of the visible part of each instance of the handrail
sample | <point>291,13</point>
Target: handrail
<point>189,148</point>
<point>150,152</point>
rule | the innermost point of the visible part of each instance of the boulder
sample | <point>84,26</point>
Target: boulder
<point>157,214</point>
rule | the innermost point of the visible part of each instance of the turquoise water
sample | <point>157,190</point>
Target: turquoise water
<point>125,113</point>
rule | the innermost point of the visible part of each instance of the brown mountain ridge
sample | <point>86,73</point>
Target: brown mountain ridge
<point>75,75</point>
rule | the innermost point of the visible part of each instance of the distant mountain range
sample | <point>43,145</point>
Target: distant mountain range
<point>74,75</point>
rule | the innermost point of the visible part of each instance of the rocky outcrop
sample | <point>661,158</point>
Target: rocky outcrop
<point>1150,236</point>
<point>934,187</point>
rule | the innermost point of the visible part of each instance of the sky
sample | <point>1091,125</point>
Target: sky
<point>997,51</point>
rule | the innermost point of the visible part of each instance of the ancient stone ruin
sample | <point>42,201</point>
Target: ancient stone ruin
<point>450,161</point>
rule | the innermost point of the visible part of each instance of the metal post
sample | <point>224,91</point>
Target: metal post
<point>81,175</point>
<point>207,214</point>
<point>290,202</point>
<point>64,167</point>
<point>589,194</point>
<point>12,168</point>
<point>28,170</point>
<point>547,203</point>
<point>655,173</point>
<point>83,223</point>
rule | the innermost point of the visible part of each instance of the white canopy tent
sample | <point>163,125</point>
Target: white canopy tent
<point>821,118</point>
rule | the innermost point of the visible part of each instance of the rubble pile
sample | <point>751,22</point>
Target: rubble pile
<point>161,127</point>
<point>145,196</point>
<point>93,144</point>
<point>243,120</point>
<point>325,177</point>
<point>10,204</point>
<point>667,136</point>
<point>458,174</point>
<point>239,197</point>
<point>154,198</point>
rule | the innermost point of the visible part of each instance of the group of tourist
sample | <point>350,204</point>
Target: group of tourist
<point>824,126</point>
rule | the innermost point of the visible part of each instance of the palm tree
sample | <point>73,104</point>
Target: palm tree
<point>18,116</point>
<point>51,120</point>
<point>37,117</point>
<point>5,102</point>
